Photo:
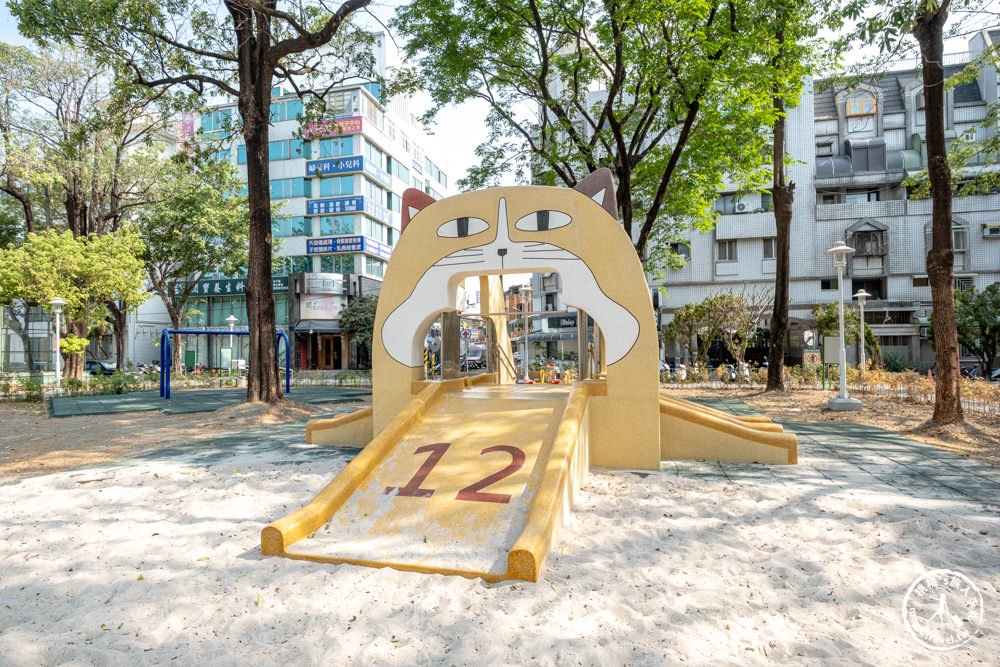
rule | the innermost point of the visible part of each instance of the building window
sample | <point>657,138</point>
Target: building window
<point>290,110</point>
<point>868,243</point>
<point>828,284</point>
<point>374,267</point>
<point>874,286</point>
<point>336,224</point>
<point>375,154</point>
<point>374,192</point>
<point>960,235</point>
<point>682,250</point>
<point>729,204</point>
<point>337,263</point>
<point>287,150</point>
<point>394,202</point>
<point>241,154</point>
<point>291,187</point>
<point>964,284</point>
<point>216,120</point>
<point>336,147</point>
<point>861,103</point>
<point>894,341</point>
<point>770,248</point>
<point>726,251</point>
<point>295,226</point>
<point>338,185</point>
<point>921,281</point>
<point>824,148</point>
<point>859,196</point>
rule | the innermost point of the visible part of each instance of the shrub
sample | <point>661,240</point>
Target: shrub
<point>897,362</point>
<point>32,391</point>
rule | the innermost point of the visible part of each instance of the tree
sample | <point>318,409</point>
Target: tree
<point>657,92</point>
<point>740,313</point>
<point>978,324</point>
<point>791,27</point>
<point>198,225</point>
<point>74,158</point>
<point>705,319</point>
<point>358,320</point>
<point>236,48</point>
<point>888,24</point>
<point>827,318</point>
<point>85,272</point>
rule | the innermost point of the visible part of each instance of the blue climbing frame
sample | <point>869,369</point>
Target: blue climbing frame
<point>166,355</point>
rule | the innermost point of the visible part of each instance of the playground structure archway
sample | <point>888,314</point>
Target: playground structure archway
<point>167,357</point>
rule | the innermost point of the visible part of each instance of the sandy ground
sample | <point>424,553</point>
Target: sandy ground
<point>158,563</point>
<point>978,438</point>
<point>32,443</point>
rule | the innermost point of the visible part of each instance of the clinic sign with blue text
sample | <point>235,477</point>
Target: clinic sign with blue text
<point>355,204</point>
<point>348,165</point>
<point>345,244</point>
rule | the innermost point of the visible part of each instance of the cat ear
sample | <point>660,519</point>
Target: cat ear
<point>414,201</point>
<point>599,185</point>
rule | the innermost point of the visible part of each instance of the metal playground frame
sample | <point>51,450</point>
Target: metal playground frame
<point>166,355</point>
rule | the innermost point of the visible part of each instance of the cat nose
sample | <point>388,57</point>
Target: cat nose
<point>502,251</point>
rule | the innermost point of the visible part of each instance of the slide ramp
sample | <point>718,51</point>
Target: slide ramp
<point>451,493</point>
<point>694,432</point>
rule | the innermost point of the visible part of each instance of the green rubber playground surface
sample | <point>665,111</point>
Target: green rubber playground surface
<point>204,400</point>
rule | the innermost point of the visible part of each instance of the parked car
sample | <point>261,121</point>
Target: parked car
<point>99,368</point>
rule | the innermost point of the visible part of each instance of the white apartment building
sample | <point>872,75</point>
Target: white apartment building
<point>852,149</point>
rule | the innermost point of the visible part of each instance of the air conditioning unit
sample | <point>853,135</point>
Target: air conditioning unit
<point>741,207</point>
<point>991,231</point>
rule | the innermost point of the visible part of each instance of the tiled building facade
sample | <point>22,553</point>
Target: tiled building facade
<point>851,150</point>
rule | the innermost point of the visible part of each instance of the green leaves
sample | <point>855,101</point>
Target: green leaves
<point>85,272</point>
<point>358,318</point>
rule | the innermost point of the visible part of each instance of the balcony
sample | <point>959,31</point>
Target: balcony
<point>861,209</point>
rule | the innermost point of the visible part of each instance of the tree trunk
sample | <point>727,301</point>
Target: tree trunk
<point>73,364</point>
<point>929,31</point>
<point>118,325</point>
<point>175,348</point>
<point>263,383</point>
<point>783,196</point>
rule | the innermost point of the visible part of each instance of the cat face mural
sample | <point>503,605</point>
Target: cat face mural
<point>512,230</point>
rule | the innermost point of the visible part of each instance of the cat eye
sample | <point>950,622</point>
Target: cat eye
<point>543,221</point>
<point>462,227</point>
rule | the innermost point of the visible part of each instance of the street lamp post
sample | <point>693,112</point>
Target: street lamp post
<point>842,402</point>
<point>232,322</point>
<point>526,307</point>
<point>57,306</point>
<point>861,295</point>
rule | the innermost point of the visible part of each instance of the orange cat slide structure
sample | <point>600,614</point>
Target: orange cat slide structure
<point>474,476</point>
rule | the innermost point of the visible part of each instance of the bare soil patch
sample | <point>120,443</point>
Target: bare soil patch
<point>978,438</point>
<point>32,443</point>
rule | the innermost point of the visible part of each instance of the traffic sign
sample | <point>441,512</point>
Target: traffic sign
<point>466,334</point>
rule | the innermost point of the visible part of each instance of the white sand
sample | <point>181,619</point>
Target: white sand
<point>158,562</point>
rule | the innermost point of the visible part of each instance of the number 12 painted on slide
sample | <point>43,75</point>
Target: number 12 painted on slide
<point>473,492</point>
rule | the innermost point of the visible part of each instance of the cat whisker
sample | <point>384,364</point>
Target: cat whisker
<point>536,257</point>
<point>443,263</point>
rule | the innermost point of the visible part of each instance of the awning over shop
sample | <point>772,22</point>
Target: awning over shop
<point>547,336</point>
<point>318,326</point>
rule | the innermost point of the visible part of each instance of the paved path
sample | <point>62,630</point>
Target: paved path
<point>838,456</point>
<point>203,400</point>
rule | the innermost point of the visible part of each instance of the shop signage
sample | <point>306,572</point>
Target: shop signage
<point>354,204</point>
<point>332,245</point>
<point>333,128</point>
<point>348,165</point>
<point>232,286</point>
